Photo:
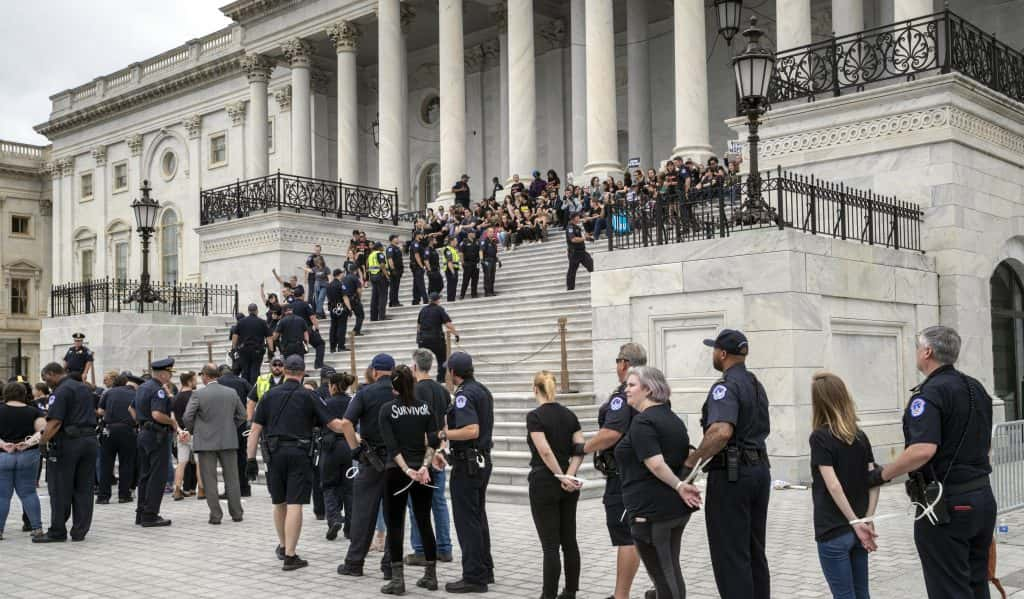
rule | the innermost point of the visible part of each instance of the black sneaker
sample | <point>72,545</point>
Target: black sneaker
<point>461,586</point>
<point>444,557</point>
<point>159,522</point>
<point>47,539</point>
<point>332,531</point>
<point>128,499</point>
<point>102,500</point>
<point>279,552</point>
<point>293,562</point>
<point>350,569</point>
<point>651,594</point>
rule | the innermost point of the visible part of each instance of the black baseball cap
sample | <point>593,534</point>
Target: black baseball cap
<point>295,363</point>
<point>731,340</point>
<point>460,363</point>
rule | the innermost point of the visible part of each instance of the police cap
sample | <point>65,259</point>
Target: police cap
<point>78,336</point>
<point>131,378</point>
<point>383,363</point>
<point>434,296</point>
<point>378,245</point>
<point>164,364</point>
<point>732,341</point>
<point>327,371</point>
<point>295,363</point>
<point>460,363</point>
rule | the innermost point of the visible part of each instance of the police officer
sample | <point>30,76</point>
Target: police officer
<point>119,441</point>
<point>452,264</point>
<point>435,282</point>
<point>613,420</point>
<point>735,423</point>
<point>577,251</point>
<point>292,333</point>
<point>946,428</point>
<point>352,304</point>
<point>377,267</point>
<point>336,309</point>
<point>470,424</point>
<point>419,266</point>
<point>78,360</point>
<point>489,249</point>
<point>71,459</point>
<point>431,319</point>
<point>286,417</point>
<point>152,409</point>
<point>242,388</point>
<point>470,250</point>
<point>336,459</point>
<point>305,311</point>
<point>371,454</point>
<point>394,256</point>
<point>251,336</point>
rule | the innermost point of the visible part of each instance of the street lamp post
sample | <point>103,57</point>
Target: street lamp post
<point>753,69</point>
<point>145,210</point>
<point>728,12</point>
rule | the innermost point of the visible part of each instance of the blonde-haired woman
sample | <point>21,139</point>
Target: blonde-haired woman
<point>840,460</point>
<point>556,449</point>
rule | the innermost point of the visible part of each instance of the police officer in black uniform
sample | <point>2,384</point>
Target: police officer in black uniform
<point>336,459</point>
<point>292,333</point>
<point>417,259</point>
<point>735,423</point>
<point>613,420</point>
<point>303,310</point>
<point>71,455</point>
<point>371,454</point>
<point>435,282</point>
<point>377,267</point>
<point>577,251</point>
<point>336,309</point>
<point>471,259</point>
<point>489,249</point>
<point>78,360</point>
<point>394,257</point>
<point>119,441</point>
<point>470,424</point>
<point>152,409</point>
<point>250,338</point>
<point>286,417</point>
<point>429,334</point>
<point>947,430</point>
<point>452,264</point>
<point>352,304</point>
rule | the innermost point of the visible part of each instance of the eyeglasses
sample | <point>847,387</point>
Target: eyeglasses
<point>617,360</point>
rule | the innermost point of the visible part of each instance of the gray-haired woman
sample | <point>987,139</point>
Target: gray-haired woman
<point>650,458</point>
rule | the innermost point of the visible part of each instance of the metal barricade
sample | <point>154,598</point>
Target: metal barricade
<point>1008,465</point>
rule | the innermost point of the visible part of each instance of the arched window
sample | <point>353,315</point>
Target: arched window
<point>430,184</point>
<point>1008,338</point>
<point>169,247</point>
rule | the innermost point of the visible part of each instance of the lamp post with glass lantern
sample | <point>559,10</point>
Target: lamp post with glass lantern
<point>728,12</point>
<point>145,209</point>
<point>753,69</point>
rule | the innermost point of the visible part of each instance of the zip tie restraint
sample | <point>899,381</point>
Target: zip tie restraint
<point>927,511</point>
<point>406,488</point>
<point>352,472</point>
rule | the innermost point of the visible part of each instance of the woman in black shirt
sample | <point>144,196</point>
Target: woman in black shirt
<point>410,435</point>
<point>336,459</point>
<point>178,406</point>
<point>20,427</point>
<point>840,460</point>
<point>556,450</point>
<point>650,458</point>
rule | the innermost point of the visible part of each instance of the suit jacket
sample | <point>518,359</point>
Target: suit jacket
<point>213,415</point>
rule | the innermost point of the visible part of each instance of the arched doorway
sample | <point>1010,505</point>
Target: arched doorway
<point>1008,338</point>
<point>429,184</point>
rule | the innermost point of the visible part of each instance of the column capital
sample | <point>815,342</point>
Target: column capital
<point>99,154</point>
<point>491,53</point>
<point>236,110</point>
<point>257,67</point>
<point>53,169</point>
<point>319,82</point>
<point>134,144</point>
<point>552,34</point>
<point>66,166</point>
<point>345,35</point>
<point>500,16</point>
<point>194,125</point>
<point>474,58</point>
<point>408,13</point>
<point>298,51</point>
<point>284,98</point>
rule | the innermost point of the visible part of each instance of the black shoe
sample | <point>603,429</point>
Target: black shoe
<point>332,531</point>
<point>651,594</point>
<point>222,496</point>
<point>47,539</point>
<point>128,499</point>
<point>320,516</point>
<point>340,349</point>
<point>396,580</point>
<point>357,333</point>
<point>102,500</point>
<point>159,522</point>
<point>444,557</point>
<point>247,493</point>
<point>293,562</point>
<point>566,595</point>
<point>26,528</point>
<point>214,521</point>
<point>238,519</point>
<point>429,580</point>
<point>461,586</point>
<point>416,559</point>
<point>490,578</point>
<point>350,569</point>
<point>77,539</point>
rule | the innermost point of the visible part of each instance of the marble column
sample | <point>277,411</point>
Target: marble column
<point>257,68</point>
<point>522,105</point>
<point>578,69</point>
<point>602,129</point>
<point>392,129</point>
<point>501,23</point>
<point>792,23</point>
<point>407,14</point>
<point>320,84</point>
<point>345,35</point>
<point>299,53</point>
<point>452,68</point>
<point>57,224</point>
<point>847,16</point>
<point>691,81</point>
<point>639,92</point>
<point>904,10</point>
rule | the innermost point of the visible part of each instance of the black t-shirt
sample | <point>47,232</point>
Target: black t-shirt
<point>406,428</point>
<point>656,430</point>
<point>431,321</point>
<point>71,403</point>
<point>364,410</point>
<point>150,397</point>
<point>274,312</point>
<point>179,404</point>
<point>431,257</point>
<point>473,404</point>
<point>303,311</point>
<point>336,406</point>
<point>575,246</point>
<point>851,465</point>
<point>395,254</point>
<point>240,386</point>
<point>252,333</point>
<point>470,251</point>
<point>335,293</point>
<point>416,249</point>
<point>115,403</point>
<point>18,422</point>
<point>436,397</point>
<point>291,329</point>
<point>558,423</point>
<point>289,410</point>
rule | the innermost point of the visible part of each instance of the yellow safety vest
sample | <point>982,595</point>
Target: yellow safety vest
<point>262,385</point>
<point>452,255</point>
<point>374,262</point>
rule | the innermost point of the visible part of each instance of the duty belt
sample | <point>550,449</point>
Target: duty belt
<point>972,485</point>
<point>748,457</point>
<point>150,425</point>
<point>75,432</point>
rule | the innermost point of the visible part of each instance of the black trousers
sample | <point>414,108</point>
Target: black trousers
<point>419,290</point>
<point>336,337</point>
<point>367,492</point>
<point>469,509</point>
<point>154,459</point>
<point>240,453</point>
<point>335,460</point>
<point>357,309</point>
<point>70,480</point>
<point>121,443</point>
<point>318,344</point>
<point>378,302</point>
<point>575,259</point>
<point>396,279</point>
<point>554,516</point>
<point>470,272</point>
<point>736,515</point>
<point>451,282</point>
<point>954,556</point>
<point>658,545</point>
<point>437,346</point>
<point>490,267</point>
<point>248,364</point>
<point>317,493</point>
<point>421,498</point>
<point>435,282</point>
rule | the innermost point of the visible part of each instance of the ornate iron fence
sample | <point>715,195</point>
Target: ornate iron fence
<point>299,194</point>
<point>113,295</point>
<point>780,201</point>
<point>942,42</point>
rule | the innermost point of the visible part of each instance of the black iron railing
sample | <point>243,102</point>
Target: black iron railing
<point>943,42</point>
<point>778,200</point>
<point>112,295</point>
<point>279,192</point>
<point>412,217</point>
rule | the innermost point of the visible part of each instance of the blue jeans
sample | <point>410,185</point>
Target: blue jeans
<point>600,225</point>
<point>18,474</point>
<point>319,295</point>
<point>442,526</point>
<point>845,565</point>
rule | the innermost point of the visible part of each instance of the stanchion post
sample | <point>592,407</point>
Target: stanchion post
<point>209,352</point>
<point>149,361</point>
<point>448,382</point>
<point>565,355</point>
<point>352,357</point>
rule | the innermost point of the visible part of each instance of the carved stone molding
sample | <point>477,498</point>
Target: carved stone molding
<point>492,53</point>
<point>552,35</point>
<point>52,169</point>
<point>986,130</point>
<point>284,98</point>
<point>345,35</point>
<point>474,59</point>
<point>193,125</point>
<point>67,167</point>
<point>298,51</point>
<point>45,208</point>
<point>236,110</point>
<point>257,67</point>
<point>99,154</point>
<point>134,144</point>
<point>500,16</point>
<point>408,13</point>
<point>320,82</point>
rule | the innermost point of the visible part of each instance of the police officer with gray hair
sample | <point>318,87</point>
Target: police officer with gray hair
<point>946,428</point>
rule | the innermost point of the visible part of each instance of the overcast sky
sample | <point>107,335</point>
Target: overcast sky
<point>53,45</point>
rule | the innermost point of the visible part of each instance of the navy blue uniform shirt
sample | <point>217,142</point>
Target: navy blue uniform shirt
<point>364,410</point>
<point>77,358</point>
<point>395,254</point>
<point>336,406</point>
<point>416,249</point>
<point>115,403</point>
<point>290,411</point>
<point>615,414</point>
<point>575,231</point>
<point>470,251</point>
<point>473,404</point>
<point>71,403</point>
<point>739,399</point>
<point>149,397</point>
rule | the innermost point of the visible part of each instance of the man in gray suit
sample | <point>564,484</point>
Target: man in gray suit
<point>213,416</point>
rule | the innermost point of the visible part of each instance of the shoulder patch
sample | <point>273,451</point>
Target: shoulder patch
<point>460,401</point>
<point>161,394</point>
<point>52,399</point>
<point>917,406</point>
<point>616,404</point>
<point>718,392</point>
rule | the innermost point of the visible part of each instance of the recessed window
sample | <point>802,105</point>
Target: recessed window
<point>87,265</point>
<point>430,110</point>
<point>169,165</point>
<point>218,150</point>
<point>169,247</point>
<point>270,135</point>
<point>21,225</point>
<point>121,176</point>
<point>86,186</point>
<point>121,260</point>
<point>19,296</point>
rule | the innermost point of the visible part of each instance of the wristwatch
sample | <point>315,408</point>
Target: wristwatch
<point>442,435</point>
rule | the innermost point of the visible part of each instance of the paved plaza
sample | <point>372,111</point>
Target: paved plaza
<point>192,558</point>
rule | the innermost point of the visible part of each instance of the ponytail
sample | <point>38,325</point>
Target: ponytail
<point>544,383</point>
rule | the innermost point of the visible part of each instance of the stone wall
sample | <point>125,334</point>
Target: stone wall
<point>806,303</point>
